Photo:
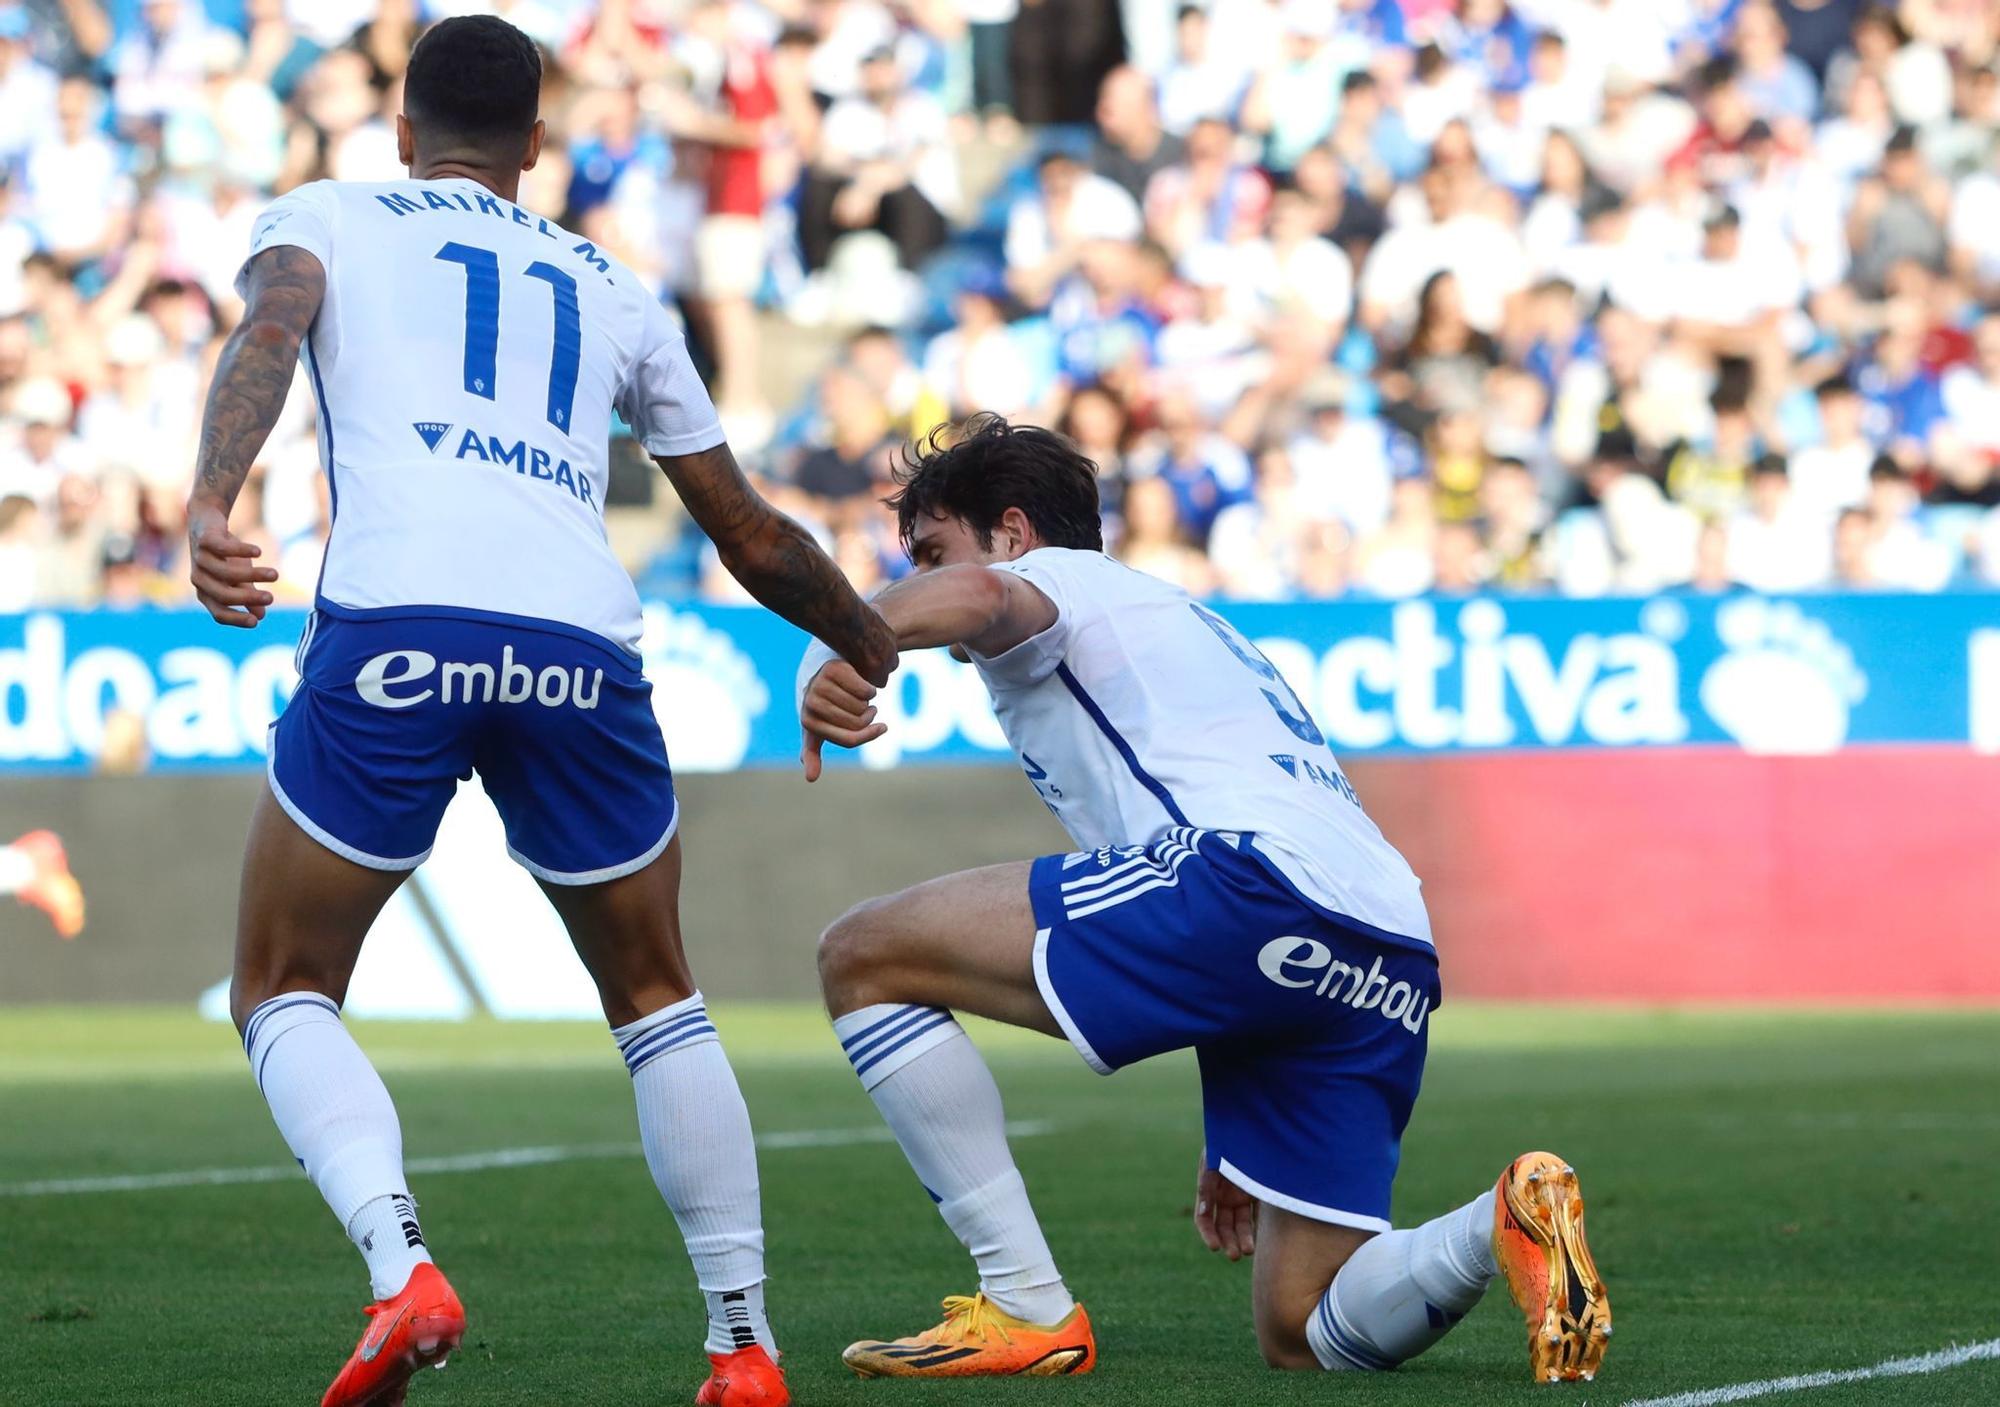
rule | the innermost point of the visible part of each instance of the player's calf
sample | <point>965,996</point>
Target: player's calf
<point>1402,1291</point>
<point>891,971</point>
<point>1294,1259</point>
<point>695,1130</point>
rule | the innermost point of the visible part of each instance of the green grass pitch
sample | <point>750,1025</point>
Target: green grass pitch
<point>1769,1194</point>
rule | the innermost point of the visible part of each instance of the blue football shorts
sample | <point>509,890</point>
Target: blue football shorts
<point>1310,1028</point>
<point>394,708</point>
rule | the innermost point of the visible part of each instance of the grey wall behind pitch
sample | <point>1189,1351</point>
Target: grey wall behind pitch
<point>769,862</point>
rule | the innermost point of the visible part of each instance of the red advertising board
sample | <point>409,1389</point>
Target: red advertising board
<point>1704,874</point>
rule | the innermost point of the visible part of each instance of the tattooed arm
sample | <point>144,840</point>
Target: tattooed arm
<point>778,562</point>
<point>252,379</point>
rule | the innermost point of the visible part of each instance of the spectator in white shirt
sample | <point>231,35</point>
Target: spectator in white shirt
<point>885,163</point>
<point>1212,351</point>
<point>1903,554</point>
<point>1639,129</point>
<point>1293,270</point>
<point>1558,97</point>
<point>1451,232</point>
<point>143,419</point>
<point>1047,232</point>
<point>1340,462</point>
<point>157,68</point>
<point>43,451</point>
<point>1833,474</point>
<point>1775,544</point>
<point>1851,145</point>
<point>1731,294</point>
<point>977,365</point>
<point>1196,84</point>
<point>27,89</point>
<point>1439,93</point>
<point>1258,547</point>
<point>1972,393</point>
<point>77,195</point>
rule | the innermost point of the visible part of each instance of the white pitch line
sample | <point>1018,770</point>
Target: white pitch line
<point>459,1162</point>
<point>1802,1382</point>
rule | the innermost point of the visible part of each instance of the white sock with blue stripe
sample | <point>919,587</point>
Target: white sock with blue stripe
<point>696,1133</point>
<point>341,1125</point>
<point>1404,1290</point>
<point>939,1099</point>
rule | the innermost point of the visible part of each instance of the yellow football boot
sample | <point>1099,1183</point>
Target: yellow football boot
<point>1538,1239</point>
<point>980,1340</point>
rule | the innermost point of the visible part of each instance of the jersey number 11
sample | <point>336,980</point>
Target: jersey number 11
<point>482,326</point>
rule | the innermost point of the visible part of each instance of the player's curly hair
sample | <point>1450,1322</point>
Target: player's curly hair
<point>979,468</point>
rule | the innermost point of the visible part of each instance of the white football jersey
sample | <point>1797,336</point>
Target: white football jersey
<point>1141,709</point>
<point>467,359</point>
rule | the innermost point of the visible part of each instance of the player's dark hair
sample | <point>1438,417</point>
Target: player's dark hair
<point>474,78</point>
<point>975,471</point>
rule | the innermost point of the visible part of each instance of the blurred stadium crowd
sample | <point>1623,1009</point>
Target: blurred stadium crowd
<point>1344,296</point>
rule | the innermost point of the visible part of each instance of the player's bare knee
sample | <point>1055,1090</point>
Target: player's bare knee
<point>248,991</point>
<point>244,998</point>
<point>849,955</point>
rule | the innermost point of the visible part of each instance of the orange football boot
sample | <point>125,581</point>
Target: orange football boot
<point>1538,1240</point>
<point>53,889</point>
<point>977,1340</point>
<point>745,1378</point>
<point>414,1329</point>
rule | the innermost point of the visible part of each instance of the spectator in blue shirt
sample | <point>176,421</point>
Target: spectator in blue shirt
<point>1777,85</point>
<point>1903,397</point>
<point>1206,471</point>
<point>1371,25</point>
<point>1375,149</point>
<point>599,159</point>
<point>1492,38</point>
<point>1101,327</point>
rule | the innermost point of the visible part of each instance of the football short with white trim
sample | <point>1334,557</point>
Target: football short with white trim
<point>1310,1027</point>
<point>394,708</point>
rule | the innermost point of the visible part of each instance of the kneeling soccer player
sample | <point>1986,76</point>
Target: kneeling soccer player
<point>1232,896</point>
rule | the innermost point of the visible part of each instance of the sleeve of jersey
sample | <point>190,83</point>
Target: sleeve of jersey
<point>1036,657</point>
<point>304,218</point>
<point>663,399</point>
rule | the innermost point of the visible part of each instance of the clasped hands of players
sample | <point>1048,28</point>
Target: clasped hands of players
<point>223,567</point>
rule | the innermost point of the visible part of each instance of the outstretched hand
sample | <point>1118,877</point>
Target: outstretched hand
<point>1224,1214</point>
<point>224,570</point>
<point>836,709</point>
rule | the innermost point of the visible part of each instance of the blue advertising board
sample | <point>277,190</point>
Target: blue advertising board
<point>1809,674</point>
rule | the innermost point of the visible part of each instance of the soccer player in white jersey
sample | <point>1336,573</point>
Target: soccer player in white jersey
<point>466,356</point>
<point>1230,896</point>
